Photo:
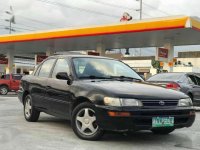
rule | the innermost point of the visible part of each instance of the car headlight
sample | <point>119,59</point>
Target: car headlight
<point>185,102</point>
<point>110,101</point>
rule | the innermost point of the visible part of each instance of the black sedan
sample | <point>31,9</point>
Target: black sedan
<point>99,94</point>
<point>188,83</point>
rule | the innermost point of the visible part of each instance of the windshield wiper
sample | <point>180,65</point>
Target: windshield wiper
<point>93,77</point>
<point>109,77</point>
<point>125,77</point>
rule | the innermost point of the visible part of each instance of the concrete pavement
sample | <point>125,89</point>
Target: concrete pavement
<point>51,133</point>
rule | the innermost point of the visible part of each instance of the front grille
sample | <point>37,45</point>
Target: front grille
<point>160,102</point>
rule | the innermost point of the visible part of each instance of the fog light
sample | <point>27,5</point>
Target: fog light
<point>119,114</point>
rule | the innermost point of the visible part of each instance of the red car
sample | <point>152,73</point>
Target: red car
<point>9,82</point>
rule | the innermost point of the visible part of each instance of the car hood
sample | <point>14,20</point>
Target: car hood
<point>127,89</point>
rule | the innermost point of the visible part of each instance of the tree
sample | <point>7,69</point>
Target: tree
<point>156,65</point>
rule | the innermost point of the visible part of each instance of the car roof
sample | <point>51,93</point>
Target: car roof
<point>177,73</point>
<point>79,56</point>
<point>183,73</point>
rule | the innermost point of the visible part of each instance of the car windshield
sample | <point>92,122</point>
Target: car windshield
<point>166,77</point>
<point>103,68</point>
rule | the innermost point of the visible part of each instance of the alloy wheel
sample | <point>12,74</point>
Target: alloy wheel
<point>3,91</point>
<point>86,122</point>
<point>28,108</point>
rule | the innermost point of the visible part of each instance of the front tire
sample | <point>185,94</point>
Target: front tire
<point>162,131</point>
<point>84,122</point>
<point>4,90</point>
<point>30,113</point>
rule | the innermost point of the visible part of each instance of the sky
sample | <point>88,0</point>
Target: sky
<point>34,15</point>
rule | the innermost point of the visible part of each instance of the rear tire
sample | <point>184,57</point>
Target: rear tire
<point>4,90</point>
<point>30,113</point>
<point>163,131</point>
<point>84,122</point>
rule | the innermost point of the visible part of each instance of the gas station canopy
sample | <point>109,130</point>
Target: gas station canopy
<point>177,30</point>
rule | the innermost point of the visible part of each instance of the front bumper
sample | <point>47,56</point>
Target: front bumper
<point>141,119</point>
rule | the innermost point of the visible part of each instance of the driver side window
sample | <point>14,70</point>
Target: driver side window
<point>5,77</point>
<point>61,66</point>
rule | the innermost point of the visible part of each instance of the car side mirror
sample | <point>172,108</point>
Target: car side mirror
<point>63,76</point>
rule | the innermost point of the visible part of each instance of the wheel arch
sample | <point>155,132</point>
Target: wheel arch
<point>78,101</point>
<point>5,85</point>
<point>24,95</point>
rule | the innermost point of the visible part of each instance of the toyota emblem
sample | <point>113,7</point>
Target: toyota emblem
<point>161,103</point>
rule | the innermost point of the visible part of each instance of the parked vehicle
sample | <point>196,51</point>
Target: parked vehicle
<point>188,83</point>
<point>99,94</point>
<point>9,82</point>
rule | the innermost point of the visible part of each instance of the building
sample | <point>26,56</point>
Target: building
<point>140,64</point>
<point>22,65</point>
<point>188,62</point>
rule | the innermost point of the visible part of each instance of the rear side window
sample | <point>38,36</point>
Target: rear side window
<point>5,77</point>
<point>16,77</point>
<point>61,66</point>
<point>185,79</point>
<point>46,68</point>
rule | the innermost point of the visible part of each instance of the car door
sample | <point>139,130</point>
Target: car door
<point>197,89</point>
<point>15,81</point>
<point>58,90</point>
<point>194,87</point>
<point>39,84</point>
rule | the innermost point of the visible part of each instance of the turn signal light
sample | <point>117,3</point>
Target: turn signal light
<point>119,114</point>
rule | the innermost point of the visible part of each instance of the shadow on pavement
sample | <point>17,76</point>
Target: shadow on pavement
<point>10,94</point>
<point>176,139</point>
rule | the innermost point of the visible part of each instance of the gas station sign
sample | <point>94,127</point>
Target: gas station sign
<point>93,53</point>
<point>126,17</point>
<point>170,64</point>
<point>162,54</point>
<point>40,58</point>
<point>161,64</point>
<point>174,59</point>
<point>4,61</point>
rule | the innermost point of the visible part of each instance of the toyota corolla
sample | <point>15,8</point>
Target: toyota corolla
<point>99,94</point>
